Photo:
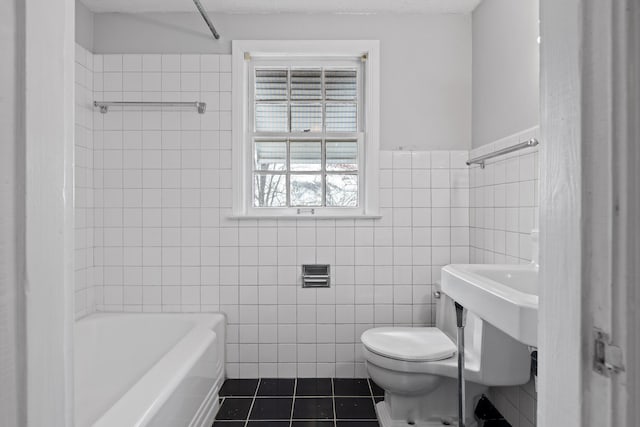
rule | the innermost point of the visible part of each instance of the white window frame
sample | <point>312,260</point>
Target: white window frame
<point>369,117</point>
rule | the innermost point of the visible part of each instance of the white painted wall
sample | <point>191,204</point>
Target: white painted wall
<point>12,372</point>
<point>505,69</point>
<point>425,66</point>
<point>84,26</point>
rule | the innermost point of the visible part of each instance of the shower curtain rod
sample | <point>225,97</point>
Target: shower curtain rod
<point>206,19</point>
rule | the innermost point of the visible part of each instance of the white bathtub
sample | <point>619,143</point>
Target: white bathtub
<point>148,369</point>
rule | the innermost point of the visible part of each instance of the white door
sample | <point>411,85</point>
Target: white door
<point>590,212</point>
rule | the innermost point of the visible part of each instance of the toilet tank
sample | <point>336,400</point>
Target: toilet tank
<point>492,357</point>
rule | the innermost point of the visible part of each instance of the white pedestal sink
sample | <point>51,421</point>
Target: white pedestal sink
<point>504,295</point>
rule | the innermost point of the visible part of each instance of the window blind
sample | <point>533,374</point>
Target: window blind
<point>306,100</point>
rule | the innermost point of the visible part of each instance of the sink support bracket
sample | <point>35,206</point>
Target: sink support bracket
<point>461,319</point>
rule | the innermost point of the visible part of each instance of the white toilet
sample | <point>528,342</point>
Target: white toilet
<point>417,367</point>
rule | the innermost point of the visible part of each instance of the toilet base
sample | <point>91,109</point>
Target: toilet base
<point>438,408</point>
<point>384,418</point>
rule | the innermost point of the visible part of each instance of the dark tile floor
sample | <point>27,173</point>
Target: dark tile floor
<point>302,402</point>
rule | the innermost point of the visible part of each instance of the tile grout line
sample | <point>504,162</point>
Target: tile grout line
<point>324,396</point>
<point>293,401</point>
<point>253,401</point>
<point>293,398</point>
<point>373,398</point>
<point>333,402</point>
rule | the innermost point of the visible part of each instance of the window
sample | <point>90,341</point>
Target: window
<point>304,139</point>
<point>305,135</point>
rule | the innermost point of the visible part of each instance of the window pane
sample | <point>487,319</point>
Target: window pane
<point>271,85</point>
<point>342,117</point>
<point>271,118</point>
<point>340,85</point>
<point>269,190</point>
<point>342,155</point>
<point>270,156</point>
<point>306,85</point>
<point>305,155</point>
<point>306,190</point>
<point>306,117</point>
<point>342,190</point>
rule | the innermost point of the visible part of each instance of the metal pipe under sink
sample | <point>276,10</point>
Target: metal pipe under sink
<point>461,318</point>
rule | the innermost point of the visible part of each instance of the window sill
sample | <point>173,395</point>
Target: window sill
<point>303,217</point>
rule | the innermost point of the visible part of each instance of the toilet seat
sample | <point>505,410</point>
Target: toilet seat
<point>409,344</point>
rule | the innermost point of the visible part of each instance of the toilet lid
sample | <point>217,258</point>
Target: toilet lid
<point>411,344</point>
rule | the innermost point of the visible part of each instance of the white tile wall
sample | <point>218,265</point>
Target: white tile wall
<point>153,196</point>
<point>517,404</point>
<point>83,201</point>
<point>164,241</point>
<point>504,209</point>
<point>504,202</point>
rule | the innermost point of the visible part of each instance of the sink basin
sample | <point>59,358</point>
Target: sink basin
<point>504,295</point>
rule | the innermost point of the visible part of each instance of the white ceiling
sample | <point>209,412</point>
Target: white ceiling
<point>286,6</point>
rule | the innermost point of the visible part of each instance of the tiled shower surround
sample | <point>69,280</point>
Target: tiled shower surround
<point>163,239</point>
<point>154,233</point>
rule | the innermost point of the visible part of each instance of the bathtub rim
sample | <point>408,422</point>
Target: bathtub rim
<point>162,377</point>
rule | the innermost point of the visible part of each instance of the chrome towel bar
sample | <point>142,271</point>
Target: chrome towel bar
<point>104,105</point>
<point>481,159</point>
